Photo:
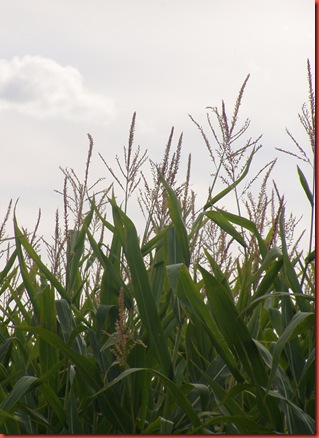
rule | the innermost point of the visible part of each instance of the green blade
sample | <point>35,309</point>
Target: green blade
<point>305,186</point>
<point>142,289</point>
<point>21,240</point>
<point>300,322</point>
<point>23,385</point>
<point>223,223</point>
<point>189,294</point>
<point>234,329</point>
<point>288,267</point>
<point>249,225</point>
<point>181,239</point>
<point>176,392</point>
<point>233,185</point>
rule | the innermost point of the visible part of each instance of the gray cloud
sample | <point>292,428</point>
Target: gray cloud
<point>41,87</point>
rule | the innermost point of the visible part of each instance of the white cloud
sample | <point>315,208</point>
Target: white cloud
<point>41,87</point>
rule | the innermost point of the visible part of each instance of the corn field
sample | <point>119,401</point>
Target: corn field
<point>203,324</point>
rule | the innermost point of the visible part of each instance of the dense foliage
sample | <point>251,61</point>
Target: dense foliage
<point>205,324</point>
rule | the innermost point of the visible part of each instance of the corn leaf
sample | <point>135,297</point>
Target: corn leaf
<point>249,225</point>
<point>223,223</point>
<point>231,186</point>
<point>48,354</point>
<point>28,281</point>
<point>112,281</point>
<point>291,275</point>
<point>189,294</point>
<point>53,401</point>
<point>305,186</point>
<point>22,241</point>
<point>301,322</point>
<point>142,289</point>
<point>238,421</point>
<point>86,367</point>
<point>8,266</point>
<point>179,239</point>
<point>159,426</point>
<point>23,385</point>
<point>173,388</point>
<point>234,329</point>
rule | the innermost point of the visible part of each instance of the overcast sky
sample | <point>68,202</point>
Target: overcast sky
<point>72,67</point>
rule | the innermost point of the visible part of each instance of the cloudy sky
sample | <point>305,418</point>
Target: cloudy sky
<point>72,67</point>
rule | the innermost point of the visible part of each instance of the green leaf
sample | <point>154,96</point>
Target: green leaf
<point>21,240</point>
<point>307,378</point>
<point>180,233</point>
<point>159,426</point>
<point>188,293</point>
<point>218,272</point>
<point>28,282</point>
<point>227,404</point>
<point>105,315</point>
<point>23,385</point>
<point>7,416</point>
<point>154,242</point>
<point>311,257</point>
<point>239,340</point>
<point>8,266</point>
<point>140,384</point>
<point>142,289</point>
<point>233,185</point>
<point>65,318</point>
<point>301,322</point>
<point>173,388</point>
<point>203,392</point>
<point>75,251</point>
<point>53,401</point>
<point>107,224</point>
<point>18,302</point>
<point>289,269</point>
<point>86,367</point>
<point>157,273</point>
<point>267,282</point>
<point>111,279</point>
<point>234,329</point>
<point>48,354</point>
<point>238,421</point>
<point>305,186</point>
<point>249,225</point>
<point>298,421</point>
<point>74,422</point>
<point>223,223</point>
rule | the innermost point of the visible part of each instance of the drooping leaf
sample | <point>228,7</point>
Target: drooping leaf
<point>223,223</point>
<point>248,225</point>
<point>173,388</point>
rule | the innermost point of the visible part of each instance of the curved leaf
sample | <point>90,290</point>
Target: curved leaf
<point>300,322</point>
<point>221,221</point>
<point>233,185</point>
<point>173,388</point>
